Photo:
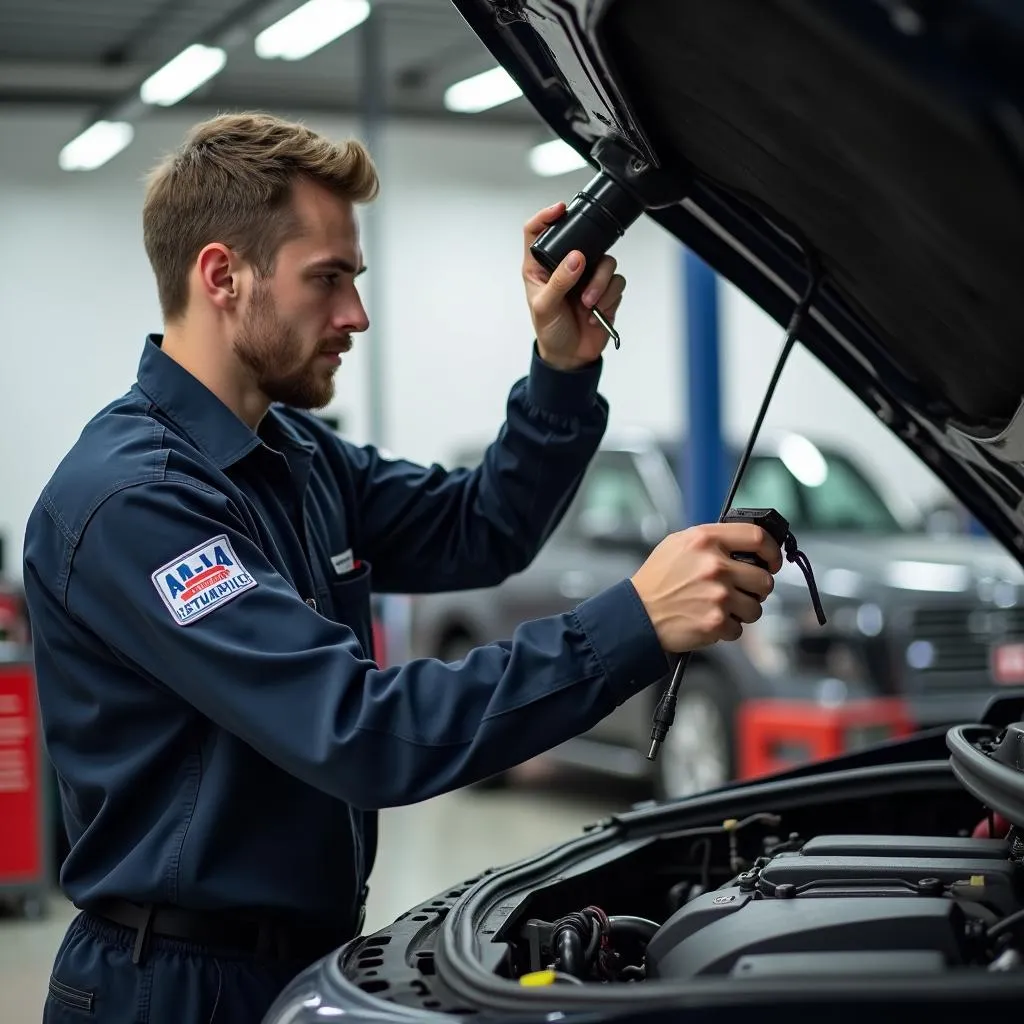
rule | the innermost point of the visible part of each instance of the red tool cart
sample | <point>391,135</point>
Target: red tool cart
<point>24,797</point>
<point>774,735</point>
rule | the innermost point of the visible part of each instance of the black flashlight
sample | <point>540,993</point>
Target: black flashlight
<point>600,214</point>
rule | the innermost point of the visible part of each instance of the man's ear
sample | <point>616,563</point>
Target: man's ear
<point>219,275</point>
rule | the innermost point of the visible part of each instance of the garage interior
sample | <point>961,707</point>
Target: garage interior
<point>464,161</point>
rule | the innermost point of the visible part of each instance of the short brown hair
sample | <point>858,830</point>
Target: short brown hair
<point>231,181</point>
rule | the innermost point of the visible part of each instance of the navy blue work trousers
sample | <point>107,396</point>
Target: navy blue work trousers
<point>175,982</point>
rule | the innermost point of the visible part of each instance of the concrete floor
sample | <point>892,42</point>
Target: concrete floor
<point>419,856</point>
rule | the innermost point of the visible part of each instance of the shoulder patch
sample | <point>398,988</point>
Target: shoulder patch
<point>201,580</point>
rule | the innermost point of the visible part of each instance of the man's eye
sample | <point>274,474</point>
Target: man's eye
<point>329,280</point>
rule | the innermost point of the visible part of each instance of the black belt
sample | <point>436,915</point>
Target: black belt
<point>261,937</point>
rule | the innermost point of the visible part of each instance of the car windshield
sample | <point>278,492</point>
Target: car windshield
<point>818,489</point>
<point>612,498</point>
<point>817,492</point>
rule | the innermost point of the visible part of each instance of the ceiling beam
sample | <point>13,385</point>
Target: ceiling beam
<point>67,81</point>
<point>109,89</point>
<point>349,106</point>
<point>213,102</point>
<point>143,31</point>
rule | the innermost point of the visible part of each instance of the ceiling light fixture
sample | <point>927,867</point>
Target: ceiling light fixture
<point>553,158</point>
<point>309,28</point>
<point>179,77</point>
<point>95,146</point>
<point>482,92</point>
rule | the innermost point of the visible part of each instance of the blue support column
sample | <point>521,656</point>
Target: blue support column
<point>702,454</point>
<point>373,113</point>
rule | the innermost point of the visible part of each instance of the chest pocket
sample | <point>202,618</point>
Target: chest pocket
<point>351,596</point>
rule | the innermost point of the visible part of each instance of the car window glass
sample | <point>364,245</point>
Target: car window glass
<point>613,497</point>
<point>768,484</point>
<point>830,494</point>
<point>845,501</point>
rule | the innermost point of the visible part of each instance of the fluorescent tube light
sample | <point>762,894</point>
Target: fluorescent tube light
<point>556,157</point>
<point>95,146</point>
<point>192,68</point>
<point>481,92</point>
<point>310,27</point>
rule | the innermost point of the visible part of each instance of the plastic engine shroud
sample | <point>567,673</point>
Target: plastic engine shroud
<point>844,905</point>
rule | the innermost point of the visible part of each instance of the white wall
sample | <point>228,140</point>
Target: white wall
<point>77,298</point>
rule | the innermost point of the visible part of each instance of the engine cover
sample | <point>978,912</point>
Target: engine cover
<point>844,904</point>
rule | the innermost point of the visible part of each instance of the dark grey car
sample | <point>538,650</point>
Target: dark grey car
<point>911,615</point>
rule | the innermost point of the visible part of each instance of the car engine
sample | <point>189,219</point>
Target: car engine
<point>846,904</point>
<point>829,905</point>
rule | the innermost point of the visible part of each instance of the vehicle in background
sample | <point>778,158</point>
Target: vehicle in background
<point>922,629</point>
<point>13,613</point>
<point>13,621</point>
<point>949,517</point>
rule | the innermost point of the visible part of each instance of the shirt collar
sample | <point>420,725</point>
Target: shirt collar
<point>192,406</point>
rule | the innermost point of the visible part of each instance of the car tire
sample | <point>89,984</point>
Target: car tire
<point>699,753</point>
<point>455,647</point>
<point>32,908</point>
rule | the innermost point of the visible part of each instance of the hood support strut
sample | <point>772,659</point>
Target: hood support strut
<point>665,712</point>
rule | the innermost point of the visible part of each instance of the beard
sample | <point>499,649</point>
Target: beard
<point>273,352</point>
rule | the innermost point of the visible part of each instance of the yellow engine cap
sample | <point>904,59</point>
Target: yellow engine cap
<point>538,978</point>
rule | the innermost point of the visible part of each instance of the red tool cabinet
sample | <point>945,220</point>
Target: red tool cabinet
<point>24,797</point>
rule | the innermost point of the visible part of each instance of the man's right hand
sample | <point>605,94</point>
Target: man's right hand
<point>696,594</point>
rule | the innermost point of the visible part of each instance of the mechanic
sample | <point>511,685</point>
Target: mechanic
<point>199,570</point>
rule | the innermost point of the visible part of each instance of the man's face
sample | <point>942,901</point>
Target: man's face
<point>298,322</point>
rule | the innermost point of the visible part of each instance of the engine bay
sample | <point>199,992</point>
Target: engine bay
<point>831,905</point>
<point>905,872</point>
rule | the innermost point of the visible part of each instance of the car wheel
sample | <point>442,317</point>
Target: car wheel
<point>454,648</point>
<point>698,753</point>
<point>32,908</point>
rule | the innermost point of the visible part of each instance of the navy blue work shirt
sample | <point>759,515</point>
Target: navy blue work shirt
<point>199,597</point>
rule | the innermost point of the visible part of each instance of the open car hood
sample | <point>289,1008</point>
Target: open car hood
<point>882,140</point>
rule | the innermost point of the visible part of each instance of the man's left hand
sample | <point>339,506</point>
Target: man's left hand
<point>568,335</point>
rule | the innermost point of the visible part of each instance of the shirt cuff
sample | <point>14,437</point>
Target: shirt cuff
<point>569,392</point>
<point>622,636</point>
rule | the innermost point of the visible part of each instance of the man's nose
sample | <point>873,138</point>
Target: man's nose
<point>351,317</point>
